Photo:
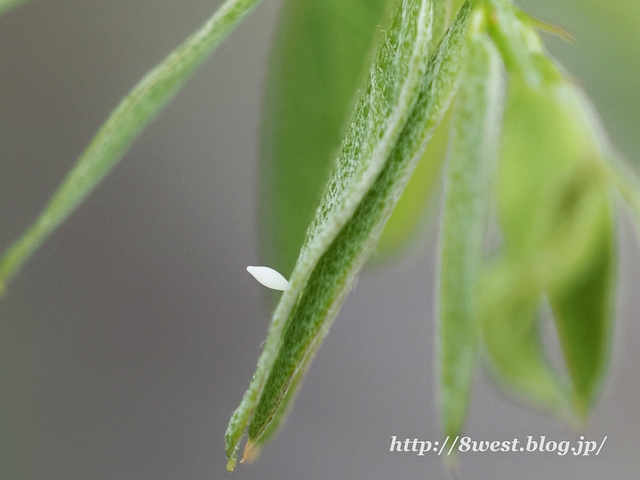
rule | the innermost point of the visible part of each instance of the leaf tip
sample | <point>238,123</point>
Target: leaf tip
<point>251,452</point>
<point>452,465</point>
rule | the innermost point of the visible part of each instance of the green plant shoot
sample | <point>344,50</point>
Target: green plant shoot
<point>522,139</point>
<point>124,125</point>
<point>476,126</point>
<point>549,168</point>
<point>340,240</point>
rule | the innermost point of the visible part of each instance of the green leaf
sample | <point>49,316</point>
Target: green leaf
<point>388,134</point>
<point>476,126</point>
<point>409,214</point>
<point>556,220</point>
<point>580,245</point>
<point>379,116</point>
<point>511,291</point>
<point>330,280</point>
<point>321,52</point>
<point>410,209</point>
<point>606,58</point>
<point>511,339</point>
<point>583,311</point>
<point>7,5</point>
<point>540,148</point>
<point>320,58</point>
<point>124,125</point>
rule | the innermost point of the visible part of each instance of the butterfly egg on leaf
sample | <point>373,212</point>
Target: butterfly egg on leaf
<point>269,278</point>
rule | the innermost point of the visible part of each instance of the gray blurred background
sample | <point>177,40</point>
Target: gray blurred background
<point>130,336</point>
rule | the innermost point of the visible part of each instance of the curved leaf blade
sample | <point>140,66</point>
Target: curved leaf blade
<point>123,126</point>
<point>320,57</point>
<point>413,210</point>
<point>512,341</point>
<point>339,243</point>
<point>470,168</point>
<point>583,312</point>
<point>320,54</point>
<point>337,268</point>
<point>409,212</point>
<point>555,213</point>
<point>379,115</point>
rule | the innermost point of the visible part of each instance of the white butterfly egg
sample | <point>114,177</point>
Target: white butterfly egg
<point>269,278</point>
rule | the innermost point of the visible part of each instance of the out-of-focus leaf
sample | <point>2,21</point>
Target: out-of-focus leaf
<point>583,310</point>
<point>605,57</point>
<point>559,223</point>
<point>124,125</point>
<point>476,125</point>
<point>408,101</point>
<point>555,215</point>
<point>319,60</point>
<point>6,5</point>
<point>512,342</point>
<point>511,290</point>
<point>581,242</point>
<point>541,145</point>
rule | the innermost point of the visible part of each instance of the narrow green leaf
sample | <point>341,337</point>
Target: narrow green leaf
<point>336,269</point>
<point>319,60</point>
<point>574,263</point>
<point>409,212</point>
<point>476,126</point>
<point>511,339</point>
<point>556,220</point>
<point>583,312</point>
<point>287,401</point>
<point>6,5</point>
<point>357,202</point>
<point>124,125</point>
<point>581,246</point>
<point>377,121</point>
<point>528,170</point>
<point>421,191</point>
<point>320,53</point>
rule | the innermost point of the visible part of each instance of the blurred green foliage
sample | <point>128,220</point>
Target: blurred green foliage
<point>317,66</point>
<point>605,58</point>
